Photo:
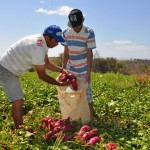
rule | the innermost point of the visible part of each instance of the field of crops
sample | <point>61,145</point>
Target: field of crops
<point>121,106</point>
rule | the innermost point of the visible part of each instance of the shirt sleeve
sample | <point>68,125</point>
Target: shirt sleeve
<point>38,54</point>
<point>91,44</point>
<point>64,36</point>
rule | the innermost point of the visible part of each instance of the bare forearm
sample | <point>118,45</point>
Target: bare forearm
<point>89,61</point>
<point>40,69</point>
<point>49,80</point>
<point>53,67</point>
<point>65,58</point>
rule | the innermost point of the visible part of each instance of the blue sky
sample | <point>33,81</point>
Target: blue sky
<point>122,27</point>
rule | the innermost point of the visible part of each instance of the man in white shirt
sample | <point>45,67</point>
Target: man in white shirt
<point>26,53</point>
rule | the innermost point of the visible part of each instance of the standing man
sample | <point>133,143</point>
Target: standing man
<point>28,52</point>
<point>78,55</point>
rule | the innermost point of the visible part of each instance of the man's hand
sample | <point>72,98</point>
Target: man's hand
<point>65,71</point>
<point>65,83</point>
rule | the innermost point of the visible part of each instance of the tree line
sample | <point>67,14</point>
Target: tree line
<point>110,64</point>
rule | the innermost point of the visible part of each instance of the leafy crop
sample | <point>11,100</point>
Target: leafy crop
<point>121,106</point>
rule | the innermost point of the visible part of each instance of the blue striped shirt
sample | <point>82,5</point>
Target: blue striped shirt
<point>78,44</point>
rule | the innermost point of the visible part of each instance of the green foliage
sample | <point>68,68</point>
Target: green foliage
<point>121,106</point>
<point>103,65</point>
<point>120,111</point>
<point>126,67</point>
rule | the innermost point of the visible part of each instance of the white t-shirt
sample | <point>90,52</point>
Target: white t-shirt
<point>24,54</point>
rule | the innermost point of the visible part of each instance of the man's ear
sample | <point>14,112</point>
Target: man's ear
<point>48,38</point>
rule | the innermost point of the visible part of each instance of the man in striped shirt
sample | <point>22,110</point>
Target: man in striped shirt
<point>78,55</point>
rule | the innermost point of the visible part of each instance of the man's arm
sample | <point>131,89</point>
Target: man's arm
<point>65,57</point>
<point>40,69</point>
<point>89,64</point>
<point>51,66</point>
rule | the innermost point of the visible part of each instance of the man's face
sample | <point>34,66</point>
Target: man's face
<point>51,42</point>
<point>77,29</point>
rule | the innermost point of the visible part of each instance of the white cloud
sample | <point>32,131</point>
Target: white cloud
<point>42,1</point>
<point>62,10</point>
<point>120,42</point>
<point>133,47</point>
<point>44,11</point>
<point>125,50</point>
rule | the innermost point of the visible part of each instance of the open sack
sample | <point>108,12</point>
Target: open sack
<point>74,104</point>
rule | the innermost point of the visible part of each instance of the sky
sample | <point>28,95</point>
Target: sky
<point>122,27</point>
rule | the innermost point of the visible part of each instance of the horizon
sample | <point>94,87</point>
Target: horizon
<point>110,57</point>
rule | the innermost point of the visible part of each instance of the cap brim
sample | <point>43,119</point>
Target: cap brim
<point>60,39</point>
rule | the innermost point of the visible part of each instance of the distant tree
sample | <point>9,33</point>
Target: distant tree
<point>107,65</point>
<point>56,60</point>
<point>145,68</point>
<point>120,67</point>
<point>112,64</point>
<point>100,65</point>
<point>59,63</point>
